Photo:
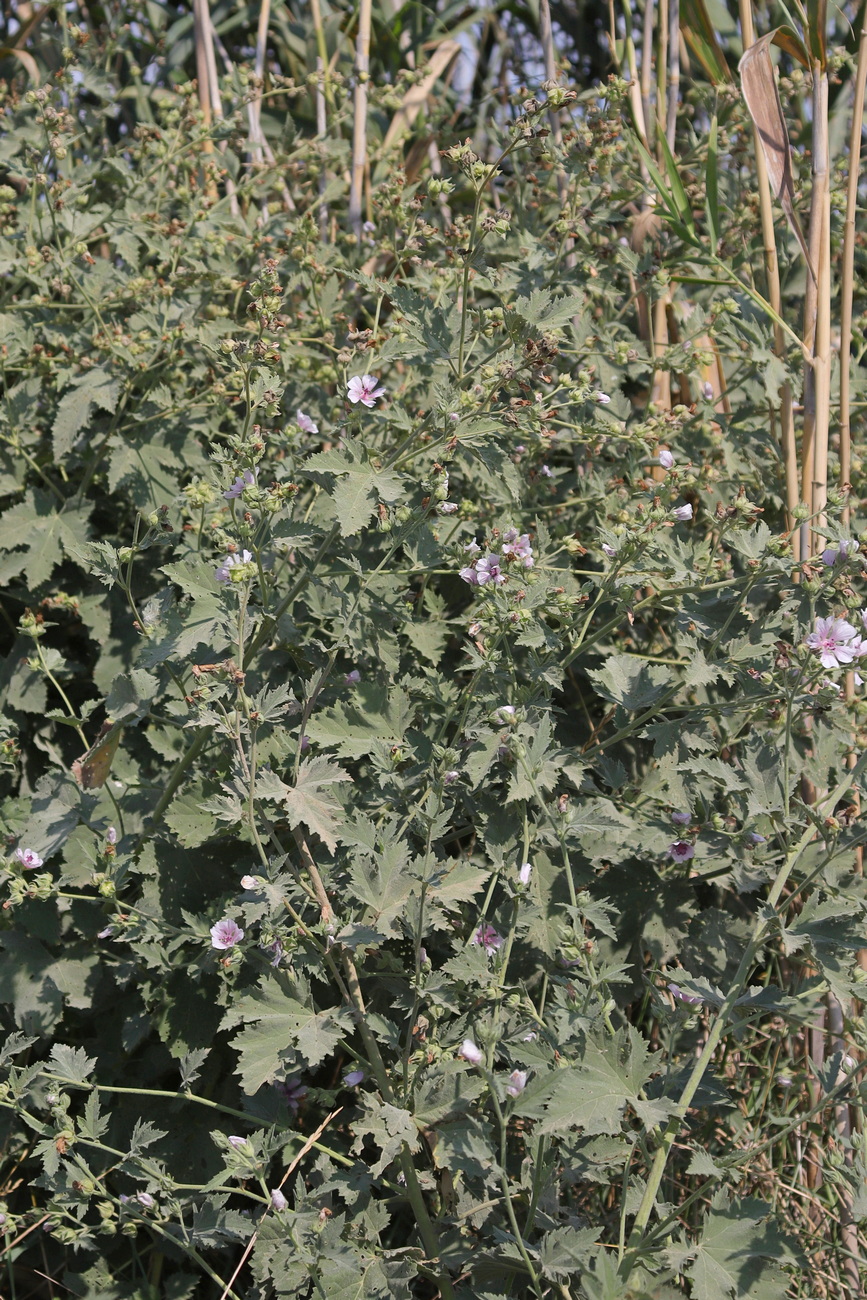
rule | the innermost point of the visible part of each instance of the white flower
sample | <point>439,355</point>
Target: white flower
<point>469,1052</point>
<point>524,873</point>
<point>278,1200</point>
<point>224,572</point>
<point>682,513</point>
<point>666,459</point>
<point>610,551</point>
<point>505,713</point>
<point>603,399</point>
<point>305,424</point>
<point>447,508</point>
<point>249,882</point>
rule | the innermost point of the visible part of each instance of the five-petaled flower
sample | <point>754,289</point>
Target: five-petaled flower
<point>224,572</point>
<point>682,513</point>
<point>225,934</point>
<point>487,936</point>
<point>681,850</point>
<point>28,858</point>
<point>305,424</point>
<point>241,483</point>
<point>835,641</point>
<point>362,388</point>
<point>517,549</point>
<point>469,1052</point>
<point>485,570</point>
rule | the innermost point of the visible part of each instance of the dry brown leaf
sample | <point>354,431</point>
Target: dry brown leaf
<point>416,95</point>
<point>759,85</point>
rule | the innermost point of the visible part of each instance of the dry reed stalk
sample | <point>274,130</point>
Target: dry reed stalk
<point>647,59</point>
<point>788,443</point>
<point>673,97</point>
<point>323,97</point>
<point>821,259</point>
<point>200,25</point>
<point>359,128</point>
<point>847,281</point>
<point>843,1120</point>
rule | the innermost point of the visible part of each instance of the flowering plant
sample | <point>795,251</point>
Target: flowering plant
<point>431,785</point>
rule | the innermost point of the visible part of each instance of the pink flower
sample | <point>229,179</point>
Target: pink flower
<point>237,1142</point>
<point>145,1199</point>
<point>834,641</point>
<point>517,1083</point>
<point>353,1078</point>
<point>707,390</point>
<point>292,1092</point>
<point>305,424</point>
<point>666,459</point>
<point>278,1200</point>
<point>469,1052</point>
<point>450,777</point>
<point>225,934</point>
<point>111,835</point>
<point>362,388</point>
<point>249,882</point>
<point>603,398</point>
<point>353,678</point>
<point>610,551</point>
<point>223,573</point>
<point>106,933</point>
<point>447,507</point>
<point>682,513</point>
<point>680,996</point>
<point>488,570</point>
<point>546,471</point>
<point>505,713</point>
<point>517,549</point>
<point>681,818</point>
<point>245,480</point>
<point>487,936</point>
<point>681,851</point>
<point>28,858</point>
<point>469,575</point>
<point>473,548</point>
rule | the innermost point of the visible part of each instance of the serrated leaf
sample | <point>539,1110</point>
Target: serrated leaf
<point>312,799</point>
<point>739,1253</point>
<point>278,1030</point>
<point>72,1064</point>
<point>94,388</point>
<point>628,680</point>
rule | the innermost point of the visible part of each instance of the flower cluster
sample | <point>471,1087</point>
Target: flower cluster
<point>489,568</point>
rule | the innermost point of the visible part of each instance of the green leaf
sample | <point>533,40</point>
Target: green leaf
<point>94,388</point>
<point>628,680</point>
<point>34,535</point>
<point>357,484</point>
<point>712,186</point>
<point>71,1063</point>
<point>312,799</point>
<point>278,1030</point>
<point>739,1253</point>
<point>375,714</point>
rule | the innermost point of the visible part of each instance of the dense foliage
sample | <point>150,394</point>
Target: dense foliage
<point>430,796</point>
